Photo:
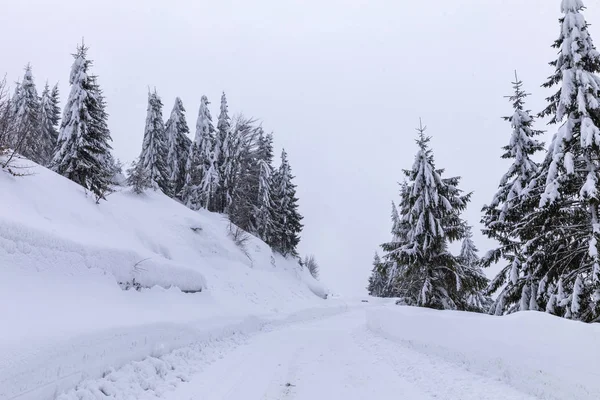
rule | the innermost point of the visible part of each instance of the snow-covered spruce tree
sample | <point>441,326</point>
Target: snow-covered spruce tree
<point>49,123</point>
<point>201,178</point>
<point>189,194</point>
<point>138,178</point>
<point>179,144</point>
<point>289,223</point>
<point>264,214</point>
<point>245,157</point>
<point>205,137</point>
<point>377,280</point>
<point>225,161</point>
<point>429,275</point>
<point>389,268</point>
<point>468,250</point>
<point>83,149</point>
<point>155,146</point>
<point>511,202</point>
<point>562,251</point>
<point>26,132</point>
<point>471,266</point>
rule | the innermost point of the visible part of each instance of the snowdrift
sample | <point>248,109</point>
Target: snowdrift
<point>63,314</point>
<point>538,354</point>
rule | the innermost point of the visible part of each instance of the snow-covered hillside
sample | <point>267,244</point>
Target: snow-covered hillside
<point>64,315</point>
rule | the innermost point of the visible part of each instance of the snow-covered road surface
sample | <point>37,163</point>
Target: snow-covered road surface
<point>335,358</point>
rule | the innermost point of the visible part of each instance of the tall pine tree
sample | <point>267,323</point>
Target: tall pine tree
<point>264,210</point>
<point>205,136</point>
<point>83,149</point>
<point>49,123</point>
<point>225,159</point>
<point>511,202</point>
<point>245,157</point>
<point>470,266</point>
<point>389,268</point>
<point>377,280</point>
<point>153,158</point>
<point>26,138</point>
<point>562,266</point>
<point>178,143</point>
<point>189,194</point>
<point>288,219</point>
<point>201,179</point>
<point>428,274</point>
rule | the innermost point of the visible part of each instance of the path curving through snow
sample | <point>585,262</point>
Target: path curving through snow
<point>368,351</point>
<point>335,358</point>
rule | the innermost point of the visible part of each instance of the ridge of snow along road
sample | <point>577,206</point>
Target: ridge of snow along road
<point>81,368</point>
<point>546,357</point>
<point>63,315</point>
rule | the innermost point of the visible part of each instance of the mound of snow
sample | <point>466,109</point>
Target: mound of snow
<point>63,257</point>
<point>538,354</point>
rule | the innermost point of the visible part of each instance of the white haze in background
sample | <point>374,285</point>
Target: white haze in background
<point>342,84</point>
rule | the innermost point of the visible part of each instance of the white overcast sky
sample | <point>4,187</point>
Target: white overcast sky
<point>341,83</point>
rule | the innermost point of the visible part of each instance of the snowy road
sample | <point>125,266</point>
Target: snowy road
<point>335,358</point>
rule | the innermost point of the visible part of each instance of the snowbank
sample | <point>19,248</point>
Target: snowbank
<point>164,370</point>
<point>538,354</point>
<point>63,315</point>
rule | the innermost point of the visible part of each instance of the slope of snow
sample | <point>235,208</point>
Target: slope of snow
<point>540,355</point>
<point>64,316</point>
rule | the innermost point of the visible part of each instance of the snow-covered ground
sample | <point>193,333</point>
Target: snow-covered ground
<point>256,326</point>
<point>372,352</point>
<point>63,316</point>
<point>541,356</point>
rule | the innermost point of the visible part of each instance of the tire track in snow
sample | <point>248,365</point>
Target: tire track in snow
<point>154,377</point>
<point>440,378</point>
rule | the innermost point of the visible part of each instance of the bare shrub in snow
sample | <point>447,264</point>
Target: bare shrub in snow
<point>240,237</point>
<point>311,264</point>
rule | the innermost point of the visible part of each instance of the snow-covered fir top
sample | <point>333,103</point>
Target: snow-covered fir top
<point>521,147</point>
<point>577,66</point>
<point>468,250</point>
<point>204,125</point>
<point>25,132</point>
<point>431,201</point>
<point>571,5</point>
<point>78,79</point>
<point>155,147</point>
<point>178,112</point>
<point>223,125</point>
<point>49,119</point>
<point>176,132</point>
<point>284,174</point>
<point>176,125</point>
<point>26,100</point>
